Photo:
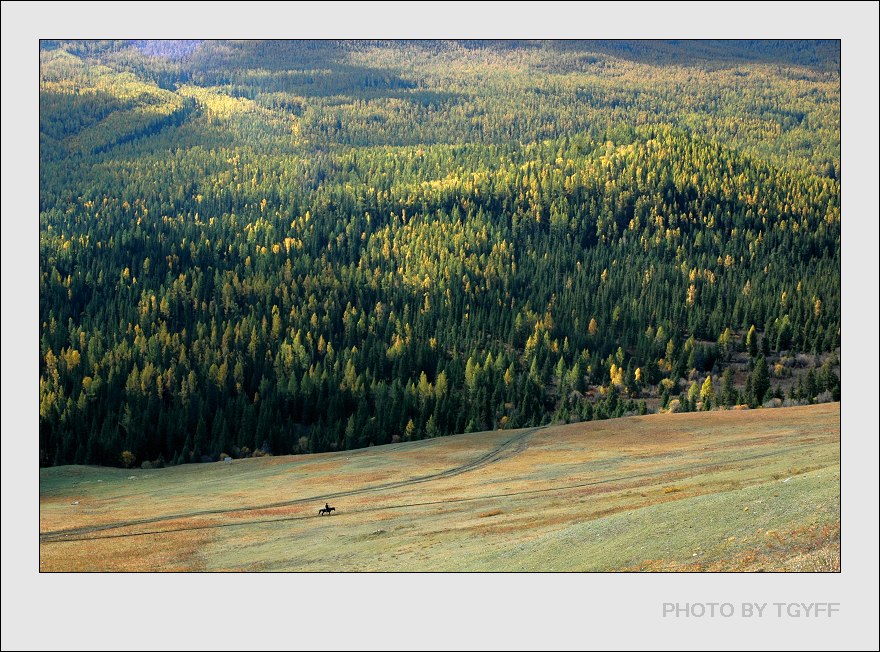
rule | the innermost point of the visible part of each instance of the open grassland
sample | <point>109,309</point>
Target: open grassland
<point>720,491</point>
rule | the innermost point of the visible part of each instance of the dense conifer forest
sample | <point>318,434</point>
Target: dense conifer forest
<point>274,247</point>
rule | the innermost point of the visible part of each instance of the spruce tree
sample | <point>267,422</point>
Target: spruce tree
<point>760,380</point>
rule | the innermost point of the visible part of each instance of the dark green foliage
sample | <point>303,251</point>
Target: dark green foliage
<point>728,391</point>
<point>760,381</point>
<point>242,250</point>
<point>810,386</point>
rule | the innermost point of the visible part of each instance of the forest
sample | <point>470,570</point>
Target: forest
<point>275,247</point>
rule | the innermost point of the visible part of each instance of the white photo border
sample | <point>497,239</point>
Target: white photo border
<point>431,611</point>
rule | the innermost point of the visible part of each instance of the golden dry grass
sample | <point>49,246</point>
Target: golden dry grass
<point>660,492</point>
<point>178,553</point>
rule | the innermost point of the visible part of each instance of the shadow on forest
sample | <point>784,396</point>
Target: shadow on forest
<point>821,56</point>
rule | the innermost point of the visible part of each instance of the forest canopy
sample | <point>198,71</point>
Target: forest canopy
<point>302,246</point>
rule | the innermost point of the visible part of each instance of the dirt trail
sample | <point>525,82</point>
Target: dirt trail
<point>508,448</point>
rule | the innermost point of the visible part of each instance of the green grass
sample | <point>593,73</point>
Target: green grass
<point>737,490</point>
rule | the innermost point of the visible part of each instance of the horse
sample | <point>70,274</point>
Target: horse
<point>326,510</point>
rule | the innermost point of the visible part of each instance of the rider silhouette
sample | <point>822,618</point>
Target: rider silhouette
<point>327,506</point>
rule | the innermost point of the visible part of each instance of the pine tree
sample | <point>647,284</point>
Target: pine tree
<point>810,386</point>
<point>760,380</point>
<point>728,391</point>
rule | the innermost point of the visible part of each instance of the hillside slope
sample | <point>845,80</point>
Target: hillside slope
<point>730,490</point>
<point>312,246</point>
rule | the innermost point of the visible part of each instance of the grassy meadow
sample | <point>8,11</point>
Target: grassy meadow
<point>751,490</point>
